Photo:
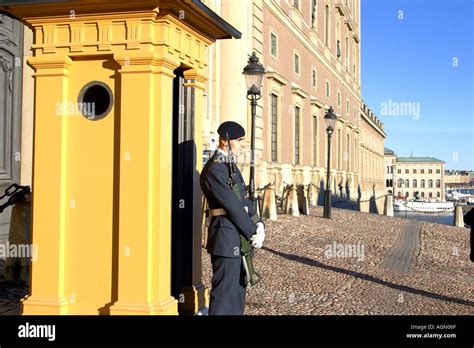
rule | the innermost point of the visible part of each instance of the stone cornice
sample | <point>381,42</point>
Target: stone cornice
<point>296,89</point>
<point>273,74</point>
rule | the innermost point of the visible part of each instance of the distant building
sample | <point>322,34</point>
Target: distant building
<point>415,177</point>
<point>456,178</point>
<point>390,160</point>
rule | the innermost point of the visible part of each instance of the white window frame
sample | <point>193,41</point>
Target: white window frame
<point>296,53</point>
<point>272,32</point>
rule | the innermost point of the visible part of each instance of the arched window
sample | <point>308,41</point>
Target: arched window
<point>438,183</point>
<point>400,182</point>
<point>422,195</point>
<point>430,183</point>
<point>422,183</point>
<point>407,183</point>
<point>415,183</point>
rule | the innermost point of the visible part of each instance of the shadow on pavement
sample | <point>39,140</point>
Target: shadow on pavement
<point>368,277</point>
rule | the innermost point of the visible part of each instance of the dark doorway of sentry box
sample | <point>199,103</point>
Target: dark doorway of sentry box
<point>11,78</point>
<point>186,284</point>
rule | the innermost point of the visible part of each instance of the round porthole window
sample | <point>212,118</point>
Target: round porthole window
<point>95,100</point>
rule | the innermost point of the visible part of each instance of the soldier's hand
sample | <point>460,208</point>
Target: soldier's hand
<point>258,238</point>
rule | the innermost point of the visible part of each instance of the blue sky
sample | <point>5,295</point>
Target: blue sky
<point>420,61</point>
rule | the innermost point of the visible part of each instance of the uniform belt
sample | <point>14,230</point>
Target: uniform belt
<point>221,211</point>
<point>217,212</point>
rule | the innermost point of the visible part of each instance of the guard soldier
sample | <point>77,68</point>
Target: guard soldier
<point>232,218</point>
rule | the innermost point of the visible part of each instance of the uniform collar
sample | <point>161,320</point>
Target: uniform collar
<point>222,152</point>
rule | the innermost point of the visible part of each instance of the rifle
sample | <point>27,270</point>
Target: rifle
<point>16,193</point>
<point>246,248</point>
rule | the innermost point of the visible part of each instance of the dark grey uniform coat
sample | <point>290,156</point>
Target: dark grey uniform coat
<point>228,280</point>
<point>223,233</point>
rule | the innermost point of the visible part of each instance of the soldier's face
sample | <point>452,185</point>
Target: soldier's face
<point>237,145</point>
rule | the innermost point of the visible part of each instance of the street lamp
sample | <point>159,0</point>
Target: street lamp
<point>330,119</point>
<point>253,72</point>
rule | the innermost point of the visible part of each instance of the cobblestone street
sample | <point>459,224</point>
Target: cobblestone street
<point>356,263</point>
<point>360,263</point>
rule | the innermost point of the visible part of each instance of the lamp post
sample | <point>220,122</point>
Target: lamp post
<point>330,119</point>
<point>253,72</point>
<point>402,182</point>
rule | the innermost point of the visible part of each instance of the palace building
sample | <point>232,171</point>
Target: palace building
<point>311,52</point>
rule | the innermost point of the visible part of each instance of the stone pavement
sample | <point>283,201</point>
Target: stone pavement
<point>356,263</point>
<point>403,254</point>
<point>317,266</point>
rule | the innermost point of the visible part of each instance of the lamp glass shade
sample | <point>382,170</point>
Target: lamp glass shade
<point>253,79</point>
<point>330,118</point>
<point>254,72</point>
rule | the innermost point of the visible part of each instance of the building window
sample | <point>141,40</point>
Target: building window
<point>328,91</point>
<point>348,152</point>
<point>347,106</point>
<point>438,183</point>
<point>422,183</point>
<point>297,135</point>
<point>400,182</point>
<point>355,153</point>
<point>273,45</point>
<point>399,171</point>
<point>438,194</point>
<point>399,194</point>
<point>354,60</point>
<point>430,183</point>
<point>326,25</point>
<point>346,63</point>
<point>315,139</point>
<point>406,194</point>
<point>438,171</point>
<point>314,79</point>
<point>422,195</point>
<point>422,171</point>
<point>313,13</point>
<point>415,183</point>
<point>296,3</point>
<point>407,183</point>
<point>430,194</point>
<point>414,171</point>
<point>339,149</point>
<point>297,64</point>
<point>274,135</point>
<point>339,99</point>
<point>430,171</point>
<point>407,171</point>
